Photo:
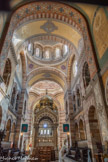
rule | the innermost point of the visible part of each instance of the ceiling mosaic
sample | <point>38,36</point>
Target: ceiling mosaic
<point>43,27</point>
<point>64,18</point>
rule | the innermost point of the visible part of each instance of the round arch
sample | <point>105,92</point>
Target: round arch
<point>46,114</point>
<point>49,73</point>
<point>69,74</point>
<point>73,18</point>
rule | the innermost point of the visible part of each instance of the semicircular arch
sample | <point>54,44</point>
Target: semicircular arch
<point>47,73</point>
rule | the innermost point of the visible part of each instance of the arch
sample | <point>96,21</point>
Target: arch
<point>8,130</point>
<point>49,73</point>
<point>81,130</point>
<point>86,74</point>
<point>7,72</point>
<point>46,114</point>
<point>0,115</point>
<point>69,73</point>
<point>94,130</point>
<point>77,20</point>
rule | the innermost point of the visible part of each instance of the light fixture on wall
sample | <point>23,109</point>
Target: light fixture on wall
<point>21,133</point>
<point>68,133</point>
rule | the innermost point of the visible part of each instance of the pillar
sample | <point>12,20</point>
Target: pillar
<point>19,118</point>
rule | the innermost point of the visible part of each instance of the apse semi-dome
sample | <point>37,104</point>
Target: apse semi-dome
<point>47,53</point>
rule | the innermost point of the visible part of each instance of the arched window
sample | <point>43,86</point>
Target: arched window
<point>47,54</point>
<point>86,74</point>
<point>65,49</point>
<point>75,69</point>
<point>37,52</point>
<point>57,53</point>
<point>45,128</point>
<point>7,72</point>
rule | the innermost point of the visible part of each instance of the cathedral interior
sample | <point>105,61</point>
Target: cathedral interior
<point>54,81</point>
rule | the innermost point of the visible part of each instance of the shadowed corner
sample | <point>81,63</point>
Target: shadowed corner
<point>5,5</point>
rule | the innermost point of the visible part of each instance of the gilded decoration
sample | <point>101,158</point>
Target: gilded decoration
<point>75,19</point>
<point>49,27</point>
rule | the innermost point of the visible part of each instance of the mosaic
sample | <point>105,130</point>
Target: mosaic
<point>49,27</point>
<point>66,13</point>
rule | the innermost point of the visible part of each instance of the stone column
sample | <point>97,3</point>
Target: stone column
<point>35,140</point>
<point>36,135</point>
<point>55,137</point>
<point>19,118</point>
<point>68,99</point>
